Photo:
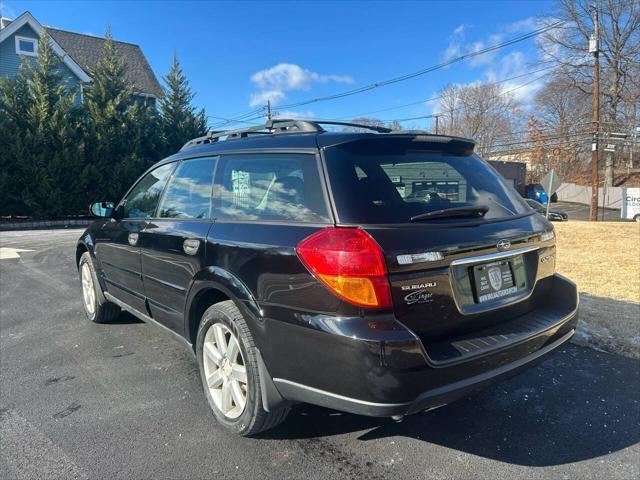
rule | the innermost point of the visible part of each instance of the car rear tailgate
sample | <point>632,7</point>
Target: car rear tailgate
<point>438,299</point>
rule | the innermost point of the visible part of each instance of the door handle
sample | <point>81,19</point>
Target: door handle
<point>190,246</point>
<point>133,239</point>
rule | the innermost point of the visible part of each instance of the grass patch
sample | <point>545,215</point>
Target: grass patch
<point>603,258</point>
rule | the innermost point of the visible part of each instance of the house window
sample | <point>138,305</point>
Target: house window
<point>26,46</point>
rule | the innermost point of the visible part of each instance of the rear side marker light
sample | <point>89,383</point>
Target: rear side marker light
<point>349,263</point>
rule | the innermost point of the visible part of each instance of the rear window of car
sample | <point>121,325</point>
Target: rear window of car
<point>387,188</point>
<point>188,193</point>
<point>271,187</point>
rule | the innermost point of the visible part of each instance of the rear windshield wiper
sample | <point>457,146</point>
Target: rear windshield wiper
<point>475,211</point>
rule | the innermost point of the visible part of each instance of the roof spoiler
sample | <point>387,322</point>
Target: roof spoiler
<point>415,140</point>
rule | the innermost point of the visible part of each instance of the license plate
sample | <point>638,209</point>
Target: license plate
<point>494,280</point>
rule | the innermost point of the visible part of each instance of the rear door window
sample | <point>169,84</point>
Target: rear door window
<point>270,187</point>
<point>188,193</point>
<point>383,188</point>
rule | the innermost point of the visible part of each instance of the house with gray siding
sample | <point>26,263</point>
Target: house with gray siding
<point>79,52</point>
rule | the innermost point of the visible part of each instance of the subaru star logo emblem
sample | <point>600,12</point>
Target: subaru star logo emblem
<point>503,244</point>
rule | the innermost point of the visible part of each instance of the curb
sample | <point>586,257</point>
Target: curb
<point>47,224</point>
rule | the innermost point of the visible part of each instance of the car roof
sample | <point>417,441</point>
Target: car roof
<point>308,138</point>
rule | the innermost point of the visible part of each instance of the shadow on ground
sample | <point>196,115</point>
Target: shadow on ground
<point>579,404</point>
<point>125,318</point>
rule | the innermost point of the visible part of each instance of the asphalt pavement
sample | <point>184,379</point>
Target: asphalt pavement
<point>577,211</point>
<point>80,400</point>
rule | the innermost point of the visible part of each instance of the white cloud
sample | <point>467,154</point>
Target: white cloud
<point>454,49</point>
<point>274,82</point>
<point>510,65</point>
<point>260,98</point>
<point>288,76</point>
<point>6,11</point>
<point>524,25</point>
<point>458,47</point>
<point>501,63</point>
<point>305,114</point>
<point>484,58</point>
<point>460,29</point>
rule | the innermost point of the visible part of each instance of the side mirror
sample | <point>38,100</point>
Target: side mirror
<point>101,209</point>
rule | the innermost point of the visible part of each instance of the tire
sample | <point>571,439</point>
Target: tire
<point>97,308</point>
<point>224,366</point>
<point>636,218</point>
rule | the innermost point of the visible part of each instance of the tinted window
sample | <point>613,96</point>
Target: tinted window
<point>270,187</point>
<point>535,205</point>
<point>143,198</point>
<point>188,194</point>
<point>370,187</point>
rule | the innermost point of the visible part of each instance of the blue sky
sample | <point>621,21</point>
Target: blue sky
<point>238,54</point>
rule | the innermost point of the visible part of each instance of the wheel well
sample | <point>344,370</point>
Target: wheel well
<point>201,302</point>
<point>80,249</point>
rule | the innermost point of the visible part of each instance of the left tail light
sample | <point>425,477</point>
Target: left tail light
<point>349,263</point>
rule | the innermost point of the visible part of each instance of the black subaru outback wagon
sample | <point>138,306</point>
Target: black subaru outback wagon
<point>377,273</point>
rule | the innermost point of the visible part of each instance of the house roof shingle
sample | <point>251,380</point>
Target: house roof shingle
<point>86,50</point>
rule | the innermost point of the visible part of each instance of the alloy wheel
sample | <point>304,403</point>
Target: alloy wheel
<point>224,370</point>
<point>88,292</point>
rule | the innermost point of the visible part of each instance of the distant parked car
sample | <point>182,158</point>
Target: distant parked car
<point>535,191</point>
<point>554,215</point>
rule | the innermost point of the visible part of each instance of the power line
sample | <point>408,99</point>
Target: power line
<point>240,118</point>
<point>424,71</point>
<point>433,115</point>
<point>402,78</point>
<point>541,139</point>
<point>433,99</point>
<point>490,152</point>
<point>229,120</point>
<point>496,155</point>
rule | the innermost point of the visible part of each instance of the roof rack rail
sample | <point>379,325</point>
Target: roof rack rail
<point>276,126</point>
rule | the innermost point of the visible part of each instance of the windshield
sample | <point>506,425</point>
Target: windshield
<point>534,204</point>
<point>370,188</point>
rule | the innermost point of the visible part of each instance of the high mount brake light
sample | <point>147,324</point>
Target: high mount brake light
<point>349,263</point>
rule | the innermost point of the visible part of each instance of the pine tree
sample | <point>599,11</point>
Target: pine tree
<point>14,103</point>
<point>111,117</point>
<point>56,142</point>
<point>58,155</point>
<point>45,148</point>
<point>179,119</point>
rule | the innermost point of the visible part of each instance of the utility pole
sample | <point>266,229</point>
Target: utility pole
<point>594,47</point>
<point>269,110</point>
<point>437,117</point>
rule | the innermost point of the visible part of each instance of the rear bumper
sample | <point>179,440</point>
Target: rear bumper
<point>428,400</point>
<point>397,375</point>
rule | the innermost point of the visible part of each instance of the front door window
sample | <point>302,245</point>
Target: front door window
<point>143,198</point>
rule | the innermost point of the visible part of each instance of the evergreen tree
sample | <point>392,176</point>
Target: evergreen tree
<point>14,103</point>
<point>111,118</point>
<point>58,155</point>
<point>45,151</point>
<point>56,145</point>
<point>179,119</point>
